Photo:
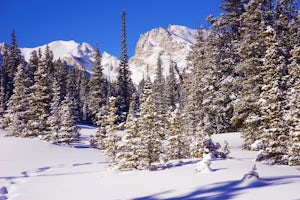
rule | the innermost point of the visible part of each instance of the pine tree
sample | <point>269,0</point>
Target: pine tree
<point>158,96</point>
<point>111,137</point>
<point>251,51</point>
<point>16,114</point>
<point>273,127</point>
<point>171,88</point>
<point>32,67</point>
<point>286,12</point>
<point>68,131</point>
<point>4,80</point>
<point>54,120</point>
<point>293,107</point>
<point>150,137</point>
<point>39,103</point>
<point>73,92</point>
<point>61,74</point>
<point>97,86</point>
<point>102,123</point>
<point>176,145</point>
<point>84,96</point>
<point>124,82</point>
<point>131,147</point>
<point>15,59</point>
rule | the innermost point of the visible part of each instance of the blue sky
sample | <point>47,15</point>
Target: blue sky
<point>38,22</point>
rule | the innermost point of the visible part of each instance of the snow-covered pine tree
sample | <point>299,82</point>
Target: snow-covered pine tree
<point>39,103</point>
<point>61,75</point>
<point>54,120</point>
<point>177,147</point>
<point>15,59</point>
<point>150,137</point>
<point>251,50</point>
<point>16,114</point>
<point>131,147</point>
<point>4,79</point>
<point>111,138</point>
<point>73,92</point>
<point>171,92</point>
<point>102,124</point>
<point>293,107</point>
<point>125,86</point>
<point>84,97</point>
<point>68,131</point>
<point>191,98</point>
<point>274,130</point>
<point>97,86</point>
<point>32,67</point>
<point>285,24</point>
<point>158,96</point>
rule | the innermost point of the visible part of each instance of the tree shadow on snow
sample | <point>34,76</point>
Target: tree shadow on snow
<point>225,190</point>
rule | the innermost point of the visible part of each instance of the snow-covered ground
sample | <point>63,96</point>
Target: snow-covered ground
<point>31,169</point>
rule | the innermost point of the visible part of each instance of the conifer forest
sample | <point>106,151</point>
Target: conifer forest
<point>242,75</point>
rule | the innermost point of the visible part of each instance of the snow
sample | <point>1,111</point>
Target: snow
<point>33,169</point>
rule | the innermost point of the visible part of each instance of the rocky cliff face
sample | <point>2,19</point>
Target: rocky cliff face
<point>172,43</point>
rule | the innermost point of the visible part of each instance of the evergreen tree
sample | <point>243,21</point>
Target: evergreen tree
<point>97,86</point>
<point>150,137</point>
<point>176,145</point>
<point>102,123</point>
<point>73,92</point>
<point>273,127</point>
<point>15,59</point>
<point>293,107</point>
<point>68,131</point>
<point>16,115</point>
<point>171,88</point>
<point>61,75</point>
<point>32,67</point>
<point>39,103</point>
<point>111,138</point>
<point>158,96</point>
<point>4,79</point>
<point>84,96</point>
<point>131,147</point>
<point>54,120</point>
<point>285,24</point>
<point>251,51</point>
<point>124,82</point>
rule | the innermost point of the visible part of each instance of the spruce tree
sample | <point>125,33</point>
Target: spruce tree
<point>274,131</point>
<point>68,131</point>
<point>61,75</point>
<point>4,79</point>
<point>124,82</point>
<point>84,96</point>
<point>131,147</point>
<point>171,92</point>
<point>32,67</point>
<point>97,86</point>
<point>158,96</point>
<point>293,107</point>
<point>111,138</point>
<point>16,114</point>
<point>73,92</point>
<point>54,120</point>
<point>39,103</point>
<point>251,51</point>
<point>177,147</point>
<point>150,137</point>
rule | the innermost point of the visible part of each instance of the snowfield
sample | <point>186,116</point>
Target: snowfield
<point>31,169</point>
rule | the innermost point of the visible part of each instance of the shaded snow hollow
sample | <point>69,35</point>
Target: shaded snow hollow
<point>31,169</point>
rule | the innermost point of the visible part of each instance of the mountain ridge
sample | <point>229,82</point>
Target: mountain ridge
<point>171,43</point>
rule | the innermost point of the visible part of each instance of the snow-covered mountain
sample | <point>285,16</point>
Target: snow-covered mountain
<point>172,43</point>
